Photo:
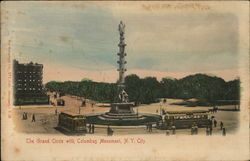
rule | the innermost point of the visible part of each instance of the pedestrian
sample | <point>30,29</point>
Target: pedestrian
<point>89,128</point>
<point>224,131</point>
<point>210,122</point>
<point>192,130</point>
<point>164,100</point>
<point>23,116</point>
<point>33,118</point>
<point>214,109</point>
<point>196,130</point>
<point>173,130</point>
<point>109,131</point>
<point>93,128</point>
<point>156,111</point>
<point>221,125</point>
<point>167,132</point>
<point>83,103</point>
<point>56,112</point>
<point>150,127</point>
<point>26,115</point>
<point>211,130</point>
<point>215,123</point>
<point>147,126</point>
<point>207,131</point>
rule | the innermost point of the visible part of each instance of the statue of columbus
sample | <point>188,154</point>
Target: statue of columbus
<point>121,28</point>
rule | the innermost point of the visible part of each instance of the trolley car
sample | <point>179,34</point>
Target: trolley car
<point>72,123</point>
<point>185,119</point>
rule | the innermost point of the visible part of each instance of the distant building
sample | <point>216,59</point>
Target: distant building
<point>28,84</point>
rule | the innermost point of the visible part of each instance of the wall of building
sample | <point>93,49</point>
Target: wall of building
<point>28,83</point>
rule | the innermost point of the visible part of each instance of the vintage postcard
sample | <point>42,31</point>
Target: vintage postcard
<point>124,80</point>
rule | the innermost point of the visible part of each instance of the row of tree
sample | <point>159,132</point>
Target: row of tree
<point>208,89</point>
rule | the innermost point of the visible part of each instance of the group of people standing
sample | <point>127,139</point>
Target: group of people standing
<point>91,128</point>
<point>213,123</point>
<point>149,127</point>
<point>173,129</point>
<point>25,117</point>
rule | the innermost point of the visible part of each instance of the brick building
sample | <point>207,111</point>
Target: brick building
<point>28,84</point>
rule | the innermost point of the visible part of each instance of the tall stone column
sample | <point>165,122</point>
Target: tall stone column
<point>121,55</point>
<point>122,69</point>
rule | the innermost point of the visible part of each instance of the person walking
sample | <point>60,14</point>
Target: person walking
<point>215,123</point>
<point>33,118</point>
<point>196,129</point>
<point>211,130</point>
<point>224,131</point>
<point>192,130</point>
<point>89,127</point>
<point>207,131</point>
<point>221,125</point>
<point>24,116</point>
<point>56,112</point>
<point>150,127</point>
<point>173,130</point>
<point>109,131</point>
<point>147,126</point>
<point>93,129</point>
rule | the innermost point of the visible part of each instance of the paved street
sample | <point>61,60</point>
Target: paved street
<point>46,120</point>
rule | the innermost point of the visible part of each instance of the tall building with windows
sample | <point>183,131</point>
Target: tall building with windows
<point>28,83</point>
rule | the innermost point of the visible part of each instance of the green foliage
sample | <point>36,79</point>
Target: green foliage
<point>142,90</point>
<point>208,89</point>
<point>86,80</point>
<point>102,92</point>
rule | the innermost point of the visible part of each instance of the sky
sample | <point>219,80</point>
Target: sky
<point>79,40</point>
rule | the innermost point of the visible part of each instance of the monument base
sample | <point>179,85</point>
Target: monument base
<point>121,111</point>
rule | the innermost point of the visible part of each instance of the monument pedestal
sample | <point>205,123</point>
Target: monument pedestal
<point>121,111</point>
<point>122,108</point>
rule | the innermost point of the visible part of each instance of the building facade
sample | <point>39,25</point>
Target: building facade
<point>28,84</point>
